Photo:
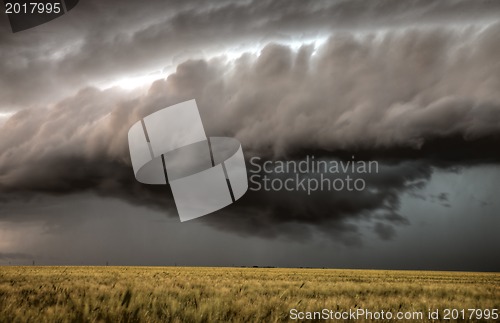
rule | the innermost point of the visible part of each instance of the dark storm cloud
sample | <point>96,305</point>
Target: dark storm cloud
<point>264,212</point>
<point>412,99</point>
<point>104,40</point>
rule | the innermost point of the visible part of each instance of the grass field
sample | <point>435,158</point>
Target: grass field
<point>190,294</point>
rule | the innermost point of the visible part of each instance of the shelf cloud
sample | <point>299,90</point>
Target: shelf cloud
<point>413,99</point>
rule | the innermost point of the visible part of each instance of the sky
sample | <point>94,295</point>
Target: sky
<point>412,85</point>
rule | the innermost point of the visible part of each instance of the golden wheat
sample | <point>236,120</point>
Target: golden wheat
<point>191,294</point>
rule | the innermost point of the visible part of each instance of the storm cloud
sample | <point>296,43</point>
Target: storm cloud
<point>413,99</point>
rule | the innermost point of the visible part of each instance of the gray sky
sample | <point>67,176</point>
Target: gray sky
<point>412,85</point>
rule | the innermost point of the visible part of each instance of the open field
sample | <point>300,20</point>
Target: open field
<point>190,294</point>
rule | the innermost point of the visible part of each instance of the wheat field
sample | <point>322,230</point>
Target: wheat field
<point>202,294</point>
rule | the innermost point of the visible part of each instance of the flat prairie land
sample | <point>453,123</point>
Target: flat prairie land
<point>202,294</point>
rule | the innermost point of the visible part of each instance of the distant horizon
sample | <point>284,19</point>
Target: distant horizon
<point>254,267</point>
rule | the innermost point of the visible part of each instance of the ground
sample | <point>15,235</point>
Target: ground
<point>201,294</point>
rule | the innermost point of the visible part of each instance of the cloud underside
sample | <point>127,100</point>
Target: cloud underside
<point>412,99</point>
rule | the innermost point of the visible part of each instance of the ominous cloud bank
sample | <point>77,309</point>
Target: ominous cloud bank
<point>412,99</point>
